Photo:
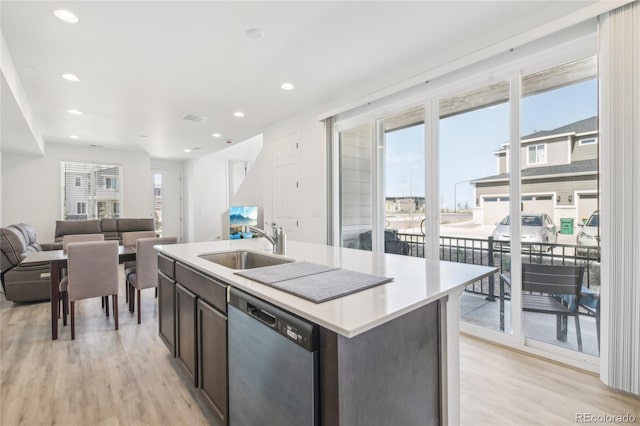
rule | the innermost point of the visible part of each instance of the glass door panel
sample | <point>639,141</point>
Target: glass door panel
<point>356,186</point>
<point>560,197</point>
<point>474,197</point>
<point>404,180</point>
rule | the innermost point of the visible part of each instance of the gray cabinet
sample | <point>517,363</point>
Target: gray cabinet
<point>212,359</point>
<point>166,311</point>
<point>166,301</point>
<point>186,349</point>
<point>193,325</point>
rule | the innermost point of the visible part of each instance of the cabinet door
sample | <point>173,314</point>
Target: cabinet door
<point>212,358</point>
<point>166,311</point>
<point>186,349</point>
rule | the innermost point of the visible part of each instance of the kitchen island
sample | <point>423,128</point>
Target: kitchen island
<point>387,354</point>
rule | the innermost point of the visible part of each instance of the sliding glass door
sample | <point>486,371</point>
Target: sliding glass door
<point>382,184</point>
<point>559,148</point>
<point>511,158</point>
<point>473,141</point>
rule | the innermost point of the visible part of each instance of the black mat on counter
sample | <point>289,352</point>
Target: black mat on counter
<point>319,286</point>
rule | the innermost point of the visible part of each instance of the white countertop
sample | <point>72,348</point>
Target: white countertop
<point>417,282</point>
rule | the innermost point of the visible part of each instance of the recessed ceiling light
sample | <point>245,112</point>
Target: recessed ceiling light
<point>66,16</point>
<point>74,136</point>
<point>238,114</point>
<point>71,77</point>
<point>187,150</point>
<point>143,136</point>
<point>286,86</point>
<point>92,145</point>
<point>74,112</point>
<point>255,33</point>
<point>229,141</point>
<point>216,135</point>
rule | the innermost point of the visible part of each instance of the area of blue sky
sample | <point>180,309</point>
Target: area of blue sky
<point>468,141</point>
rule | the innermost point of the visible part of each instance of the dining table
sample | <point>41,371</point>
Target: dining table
<point>58,261</point>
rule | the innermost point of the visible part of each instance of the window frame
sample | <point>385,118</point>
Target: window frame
<point>583,141</point>
<point>537,147</point>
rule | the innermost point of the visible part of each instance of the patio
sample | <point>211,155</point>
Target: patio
<point>477,310</point>
<point>480,303</point>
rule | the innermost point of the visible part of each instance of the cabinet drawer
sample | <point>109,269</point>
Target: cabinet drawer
<point>210,290</point>
<point>167,266</point>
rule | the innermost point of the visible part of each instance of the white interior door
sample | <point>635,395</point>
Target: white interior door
<point>286,194</point>
<point>168,202</point>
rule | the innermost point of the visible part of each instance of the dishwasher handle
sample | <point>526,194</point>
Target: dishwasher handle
<point>261,315</point>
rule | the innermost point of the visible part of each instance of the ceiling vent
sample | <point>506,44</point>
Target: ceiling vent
<point>195,117</point>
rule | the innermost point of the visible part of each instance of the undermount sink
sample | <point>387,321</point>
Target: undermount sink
<point>244,259</point>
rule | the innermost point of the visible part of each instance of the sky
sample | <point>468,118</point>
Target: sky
<point>467,141</point>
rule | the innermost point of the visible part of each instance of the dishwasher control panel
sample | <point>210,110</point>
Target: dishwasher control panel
<point>294,328</point>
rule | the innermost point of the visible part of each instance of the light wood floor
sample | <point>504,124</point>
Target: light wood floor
<point>128,377</point>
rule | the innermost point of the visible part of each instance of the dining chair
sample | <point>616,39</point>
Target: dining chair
<point>66,240</point>
<point>79,238</point>
<point>146,273</point>
<point>129,240</point>
<point>92,272</point>
<point>552,289</point>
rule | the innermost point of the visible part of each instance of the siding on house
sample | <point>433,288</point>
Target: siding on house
<point>583,152</point>
<point>355,183</point>
<point>502,163</point>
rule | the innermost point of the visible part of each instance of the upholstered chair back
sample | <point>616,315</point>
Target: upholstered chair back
<point>80,238</point>
<point>129,238</point>
<point>93,269</point>
<point>147,261</point>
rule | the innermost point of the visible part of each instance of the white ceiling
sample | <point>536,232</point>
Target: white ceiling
<point>144,65</point>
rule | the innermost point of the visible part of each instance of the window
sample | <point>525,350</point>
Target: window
<point>588,141</point>
<point>537,154</point>
<point>90,191</point>
<point>109,183</point>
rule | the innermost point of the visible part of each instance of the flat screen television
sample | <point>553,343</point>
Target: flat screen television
<point>240,216</point>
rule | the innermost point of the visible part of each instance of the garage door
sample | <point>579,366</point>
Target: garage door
<point>587,204</point>
<point>538,204</point>
<point>494,209</point>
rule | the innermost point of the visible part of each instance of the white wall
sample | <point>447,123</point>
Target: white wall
<point>206,186</point>
<point>206,182</point>
<point>31,185</point>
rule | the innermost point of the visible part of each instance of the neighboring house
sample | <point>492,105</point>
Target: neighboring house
<point>559,175</point>
<point>404,204</point>
<point>93,194</point>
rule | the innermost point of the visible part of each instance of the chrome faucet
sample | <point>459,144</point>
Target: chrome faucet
<point>278,239</point>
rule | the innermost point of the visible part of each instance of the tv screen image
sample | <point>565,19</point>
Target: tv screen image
<point>240,216</point>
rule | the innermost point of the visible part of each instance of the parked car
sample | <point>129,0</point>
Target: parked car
<point>589,235</point>
<point>536,228</point>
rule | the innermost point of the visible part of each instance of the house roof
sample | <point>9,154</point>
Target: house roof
<point>587,125</point>
<point>577,167</point>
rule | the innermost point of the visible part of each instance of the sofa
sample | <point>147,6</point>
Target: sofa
<point>23,283</point>
<point>112,229</point>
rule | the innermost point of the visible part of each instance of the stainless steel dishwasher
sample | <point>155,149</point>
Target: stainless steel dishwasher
<point>273,365</point>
